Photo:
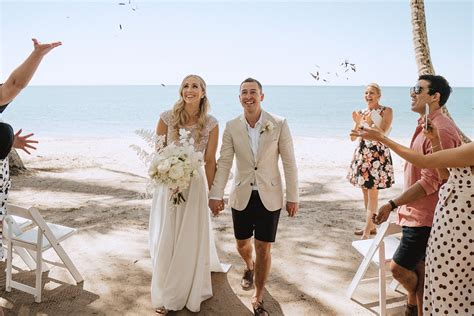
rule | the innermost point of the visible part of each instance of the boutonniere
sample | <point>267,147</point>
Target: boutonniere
<point>268,127</point>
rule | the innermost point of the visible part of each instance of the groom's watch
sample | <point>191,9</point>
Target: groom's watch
<point>392,204</point>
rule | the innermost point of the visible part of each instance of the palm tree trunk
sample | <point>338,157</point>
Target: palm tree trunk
<point>422,49</point>
<point>16,164</point>
<point>420,38</point>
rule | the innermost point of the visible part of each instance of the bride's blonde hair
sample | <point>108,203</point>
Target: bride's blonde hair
<point>179,116</point>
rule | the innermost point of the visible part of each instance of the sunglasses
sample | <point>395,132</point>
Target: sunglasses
<point>417,89</point>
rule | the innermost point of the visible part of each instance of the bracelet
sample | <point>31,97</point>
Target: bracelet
<point>392,204</point>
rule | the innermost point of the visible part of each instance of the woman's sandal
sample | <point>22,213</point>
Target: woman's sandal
<point>161,310</point>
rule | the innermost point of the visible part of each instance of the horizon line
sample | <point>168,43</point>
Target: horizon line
<point>229,85</point>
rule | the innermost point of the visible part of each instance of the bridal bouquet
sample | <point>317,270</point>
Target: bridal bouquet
<point>174,165</point>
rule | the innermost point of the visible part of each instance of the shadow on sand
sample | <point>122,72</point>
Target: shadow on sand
<point>65,299</point>
<point>226,302</point>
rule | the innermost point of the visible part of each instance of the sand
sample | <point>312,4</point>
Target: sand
<point>98,187</point>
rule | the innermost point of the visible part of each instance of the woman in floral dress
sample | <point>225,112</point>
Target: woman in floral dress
<point>371,168</point>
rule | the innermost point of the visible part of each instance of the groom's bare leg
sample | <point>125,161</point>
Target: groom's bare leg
<point>245,249</point>
<point>263,263</point>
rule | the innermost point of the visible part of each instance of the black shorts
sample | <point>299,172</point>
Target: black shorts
<point>255,217</point>
<point>412,248</point>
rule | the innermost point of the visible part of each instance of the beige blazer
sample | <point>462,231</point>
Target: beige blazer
<point>263,170</point>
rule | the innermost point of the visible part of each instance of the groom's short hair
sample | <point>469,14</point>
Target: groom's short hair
<point>253,80</point>
<point>438,84</point>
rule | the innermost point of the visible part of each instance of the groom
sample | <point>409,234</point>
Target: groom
<point>257,139</point>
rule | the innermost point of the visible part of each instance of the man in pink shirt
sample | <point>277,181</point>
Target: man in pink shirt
<point>416,204</point>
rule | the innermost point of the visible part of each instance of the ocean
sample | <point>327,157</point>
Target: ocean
<point>117,111</point>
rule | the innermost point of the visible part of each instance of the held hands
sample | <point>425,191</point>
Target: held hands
<point>43,49</point>
<point>216,206</point>
<point>383,214</point>
<point>292,208</point>
<point>23,142</point>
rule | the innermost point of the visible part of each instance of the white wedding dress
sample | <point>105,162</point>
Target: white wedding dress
<point>181,240</point>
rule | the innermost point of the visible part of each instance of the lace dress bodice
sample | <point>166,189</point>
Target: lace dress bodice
<point>198,146</point>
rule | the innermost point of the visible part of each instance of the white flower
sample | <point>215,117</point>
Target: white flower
<point>268,127</point>
<point>164,166</point>
<point>176,172</point>
<point>360,180</point>
<point>152,172</point>
<point>376,164</point>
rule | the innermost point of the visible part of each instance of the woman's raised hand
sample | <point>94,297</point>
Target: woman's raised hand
<point>356,117</point>
<point>43,49</point>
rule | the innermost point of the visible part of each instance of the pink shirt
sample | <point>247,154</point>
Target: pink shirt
<point>420,212</point>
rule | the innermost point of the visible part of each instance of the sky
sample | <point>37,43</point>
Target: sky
<point>277,42</point>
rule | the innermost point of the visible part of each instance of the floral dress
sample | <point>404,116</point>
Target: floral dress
<point>371,166</point>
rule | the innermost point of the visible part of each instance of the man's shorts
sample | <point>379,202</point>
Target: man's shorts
<point>412,248</point>
<point>255,217</point>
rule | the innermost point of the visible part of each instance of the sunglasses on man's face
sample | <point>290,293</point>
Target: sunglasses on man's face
<point>417,89</point>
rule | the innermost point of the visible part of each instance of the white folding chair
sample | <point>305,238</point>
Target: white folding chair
<point>385,245</point>
<point>18,225</point>
<point>37,240</point>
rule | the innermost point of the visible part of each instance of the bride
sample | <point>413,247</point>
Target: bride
<point>181,240</point>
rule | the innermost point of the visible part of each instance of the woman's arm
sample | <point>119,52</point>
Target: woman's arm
<point>357,118</point>
<point>22,75</point>
<point>462,156</point>
<point>210,155</point>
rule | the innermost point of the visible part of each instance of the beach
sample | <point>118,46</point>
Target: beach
<point>96,72</point>
<point>98,186</point>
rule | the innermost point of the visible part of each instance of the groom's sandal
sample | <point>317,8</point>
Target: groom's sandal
<point>360,232</point>
<point>258,309</point>
<point>161,310</point>
<point>247,279</point>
